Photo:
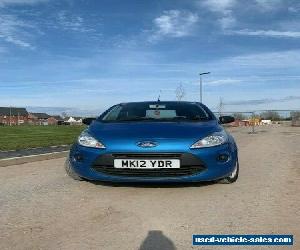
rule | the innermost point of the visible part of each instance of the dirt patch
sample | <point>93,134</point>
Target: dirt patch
<point>42,208</point>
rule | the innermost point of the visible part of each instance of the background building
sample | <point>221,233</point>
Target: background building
<point>13,116</point>
<point>55,120</point>
<point>38,118</point>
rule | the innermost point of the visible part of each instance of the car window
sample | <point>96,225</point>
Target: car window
<point>156,112</point>
<point>113,114</point>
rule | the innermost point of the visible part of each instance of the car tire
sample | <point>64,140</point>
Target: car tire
<point>232,177</point>
<point>71,172</point>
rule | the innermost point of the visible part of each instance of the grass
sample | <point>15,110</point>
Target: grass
<point>22,137</point>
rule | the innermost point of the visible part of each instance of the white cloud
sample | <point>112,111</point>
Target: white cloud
<point>174,23</point>
<point>227,22</point>
<point>268,5</point>
<point>263,101</point>
<point>225,81</point>
<point>71,22</point>
<point>11,2</point>
<point>293,9</point>
<point>220,82</point>
<point>12,30</point>
<point>289,25</point>
<point>268,60</point>
<point>267,33</point>
<point>222,6</point>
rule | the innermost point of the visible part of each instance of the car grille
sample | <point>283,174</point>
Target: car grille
<point>189,165</point>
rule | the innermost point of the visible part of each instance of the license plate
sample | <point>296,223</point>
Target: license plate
<point>146,164</point>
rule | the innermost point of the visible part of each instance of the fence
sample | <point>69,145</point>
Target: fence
<point>257,118</point>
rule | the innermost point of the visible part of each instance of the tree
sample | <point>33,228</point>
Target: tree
<point>64,114</point>
<point>239,116</point>
<point>270,115</point>
<point>180,92</point>
<point>295,118</point>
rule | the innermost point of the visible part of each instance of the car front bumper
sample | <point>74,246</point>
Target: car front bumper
<point>83,161</point>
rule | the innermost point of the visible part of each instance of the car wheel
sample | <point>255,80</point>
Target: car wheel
<point>232,177</point>
<point>71,172</point>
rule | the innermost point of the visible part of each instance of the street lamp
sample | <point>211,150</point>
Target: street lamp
<point>201,74</point>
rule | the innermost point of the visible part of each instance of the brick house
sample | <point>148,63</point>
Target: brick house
<point>54,120</point>
<point>44,119</point>
<point>38,118</point>
<point>239,123</point>
<point>13,116</point>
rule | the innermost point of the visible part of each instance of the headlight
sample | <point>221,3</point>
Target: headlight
<point>85,139</point>
<point>212,140</point>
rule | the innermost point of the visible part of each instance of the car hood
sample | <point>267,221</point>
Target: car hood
<point>158,131</point>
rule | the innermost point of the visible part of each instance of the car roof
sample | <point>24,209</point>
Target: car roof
<point>160,102</point>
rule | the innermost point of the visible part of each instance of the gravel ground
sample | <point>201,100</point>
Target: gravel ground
<point>42,208</point>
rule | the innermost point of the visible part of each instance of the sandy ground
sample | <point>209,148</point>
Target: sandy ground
<point>42,208</point>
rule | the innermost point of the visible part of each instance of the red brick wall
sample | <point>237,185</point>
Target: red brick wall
<point>14,119</point>
<point>52,121</point>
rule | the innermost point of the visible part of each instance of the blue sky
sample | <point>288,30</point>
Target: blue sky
<point>89,55</point>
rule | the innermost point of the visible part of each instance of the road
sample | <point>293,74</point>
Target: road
<point>42,208</point>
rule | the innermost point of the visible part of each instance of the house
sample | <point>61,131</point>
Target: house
<point>73,120</point>
<point>254,121</point>
<point>246,122</point>
<point>239,123</point>
<point>13,116</point>
<point>266,122</point>
<point>78,119</point>
<point>38,118</point>
<point>44,119</point>
<point>55,120</point>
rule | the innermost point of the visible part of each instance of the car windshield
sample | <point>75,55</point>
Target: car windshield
<point>156,112</point>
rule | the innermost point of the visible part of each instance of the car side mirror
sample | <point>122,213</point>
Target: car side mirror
<point>226,119</point>
<point>88,121</point>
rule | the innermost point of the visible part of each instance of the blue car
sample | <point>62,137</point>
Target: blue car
<point>155,142</point>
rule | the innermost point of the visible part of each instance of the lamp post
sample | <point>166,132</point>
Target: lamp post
<point>201,74</point>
